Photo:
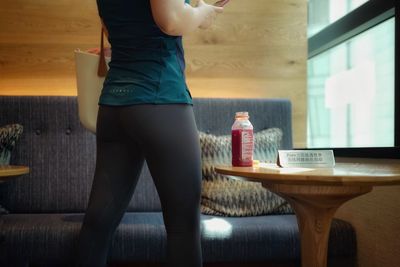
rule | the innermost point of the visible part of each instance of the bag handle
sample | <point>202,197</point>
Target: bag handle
<point>102,69</point>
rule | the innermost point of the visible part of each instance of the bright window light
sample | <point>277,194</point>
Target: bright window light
<point>324,12</point>
<point>218,228</point>
<point>351,92</point>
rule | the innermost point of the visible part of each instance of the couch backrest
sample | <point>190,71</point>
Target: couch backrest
<point>61,153</point>
<point>216,115</point>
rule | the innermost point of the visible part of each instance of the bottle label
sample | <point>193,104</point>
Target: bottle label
<point>247,145</point>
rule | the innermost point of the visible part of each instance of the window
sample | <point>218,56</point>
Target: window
<point>353,96</point>
<point>325,12</point>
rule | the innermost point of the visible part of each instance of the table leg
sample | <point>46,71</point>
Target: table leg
<point>315,207</point>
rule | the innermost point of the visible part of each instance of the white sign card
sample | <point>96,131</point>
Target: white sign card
<point>306,158</point>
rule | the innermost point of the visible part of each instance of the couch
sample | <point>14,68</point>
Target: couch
<point>46,207</point>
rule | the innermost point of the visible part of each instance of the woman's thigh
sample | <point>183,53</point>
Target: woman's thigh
<point>171,147</point>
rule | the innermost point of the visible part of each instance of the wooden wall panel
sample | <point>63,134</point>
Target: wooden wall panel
<point>256,49</point>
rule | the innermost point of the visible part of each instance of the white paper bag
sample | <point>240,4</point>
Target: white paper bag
<point>89,85</point>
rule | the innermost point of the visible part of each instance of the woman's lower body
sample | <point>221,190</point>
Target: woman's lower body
<point>166,137</point>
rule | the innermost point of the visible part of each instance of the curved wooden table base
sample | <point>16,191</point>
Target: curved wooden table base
<point>315,207</point>
<point>316,194</point>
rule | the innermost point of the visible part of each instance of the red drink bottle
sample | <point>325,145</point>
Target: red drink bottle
<point>242,141</point>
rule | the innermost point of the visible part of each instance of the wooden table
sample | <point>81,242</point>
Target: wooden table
<point>8,172</point>
<point>316,194</point>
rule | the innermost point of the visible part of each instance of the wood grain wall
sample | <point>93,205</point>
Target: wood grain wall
<point>256,49</point>
<point>376,218</point>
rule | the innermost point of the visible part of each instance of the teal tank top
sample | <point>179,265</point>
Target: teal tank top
<point>147,66</point>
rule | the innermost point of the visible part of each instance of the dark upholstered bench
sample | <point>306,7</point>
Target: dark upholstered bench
<point>46,206</point>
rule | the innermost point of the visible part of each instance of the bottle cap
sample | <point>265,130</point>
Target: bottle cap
<point>242,114</point>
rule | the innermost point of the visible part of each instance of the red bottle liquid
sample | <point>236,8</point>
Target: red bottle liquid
<point>242,141</point>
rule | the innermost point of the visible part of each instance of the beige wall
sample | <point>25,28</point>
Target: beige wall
<point>256,49</point>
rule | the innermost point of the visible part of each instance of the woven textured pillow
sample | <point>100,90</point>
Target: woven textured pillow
<point>9,135</point>
<point>224,196</point>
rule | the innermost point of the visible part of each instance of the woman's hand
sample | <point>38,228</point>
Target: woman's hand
<point>211,13</point>
<point>96,50</point>
<point>174,17</point>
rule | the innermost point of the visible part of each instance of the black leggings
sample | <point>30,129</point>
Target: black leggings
<point>166,136</point>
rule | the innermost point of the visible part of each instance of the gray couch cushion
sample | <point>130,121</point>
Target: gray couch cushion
<point>61,153</point>
<point>216,115</point>
<point>141,237</point>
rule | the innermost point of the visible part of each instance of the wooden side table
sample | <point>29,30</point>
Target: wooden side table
<point>9,172</point>
<point>316,194</point>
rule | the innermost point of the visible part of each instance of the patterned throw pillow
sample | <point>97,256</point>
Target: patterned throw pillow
<point>9,135</point>
<point>224,196</point>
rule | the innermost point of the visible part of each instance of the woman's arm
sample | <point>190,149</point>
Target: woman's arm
<point>175,17</point>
